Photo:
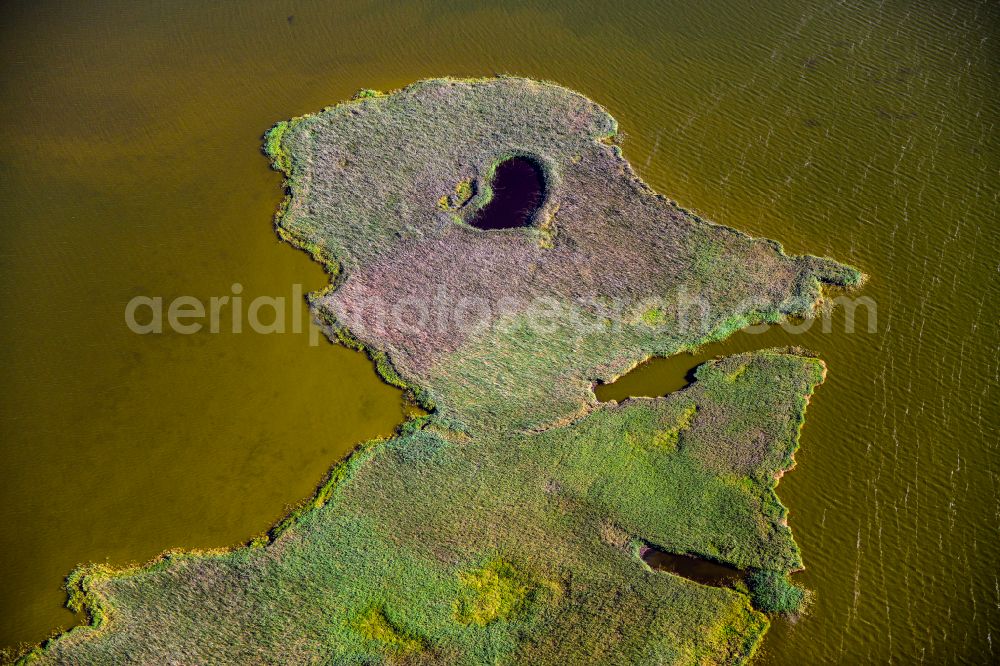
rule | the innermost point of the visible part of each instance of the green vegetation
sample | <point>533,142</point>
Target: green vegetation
<point>654,317</point>
<point>495,592</point>
<point>498,528</point>
<point>272,146</point>
<point>366,93</point>
<point>669,438</point>
<point>451,203</point>
<point>373,624</point>
<point>463,192</point>
<point>772,592</point>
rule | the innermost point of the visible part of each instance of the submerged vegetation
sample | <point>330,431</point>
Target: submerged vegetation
<point>502,527</point>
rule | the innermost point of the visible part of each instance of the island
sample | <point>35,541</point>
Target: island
<point>494,253</point>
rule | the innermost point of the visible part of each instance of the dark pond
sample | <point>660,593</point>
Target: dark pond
<point>691,567</point>
<point>518,191</point>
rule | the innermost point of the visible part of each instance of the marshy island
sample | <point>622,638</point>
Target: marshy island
<point>497,257</point>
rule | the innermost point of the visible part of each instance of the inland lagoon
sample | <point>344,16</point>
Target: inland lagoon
<point>132,167</point>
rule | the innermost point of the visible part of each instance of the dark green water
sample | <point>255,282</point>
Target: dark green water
<point>130,165</point>
<point>692,568</point>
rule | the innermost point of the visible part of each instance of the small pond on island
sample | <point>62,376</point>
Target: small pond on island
<point>518,192</point>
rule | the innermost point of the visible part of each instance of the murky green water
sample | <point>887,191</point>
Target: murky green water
<point>130,166</point>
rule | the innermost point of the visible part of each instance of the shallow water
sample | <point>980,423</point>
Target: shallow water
<point>131,166</point>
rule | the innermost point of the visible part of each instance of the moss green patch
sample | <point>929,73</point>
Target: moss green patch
<point>374,625</point>
<point>272,146</point>
<point>463,192</point>
<point>497,591</point>
<point>669,438</point>
<point>654,317</point>
<point>451,203</point>
<point>367,93</point>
